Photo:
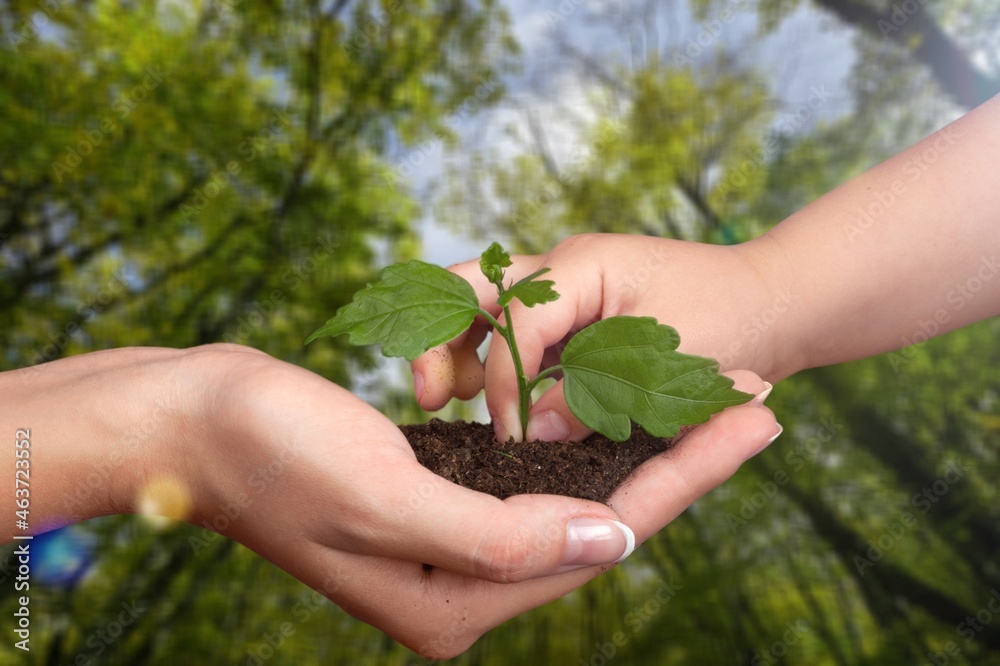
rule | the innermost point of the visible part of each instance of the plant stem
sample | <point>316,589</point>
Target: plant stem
<point>542,375</point>
<point>492,321</point>
<point>523,392</point>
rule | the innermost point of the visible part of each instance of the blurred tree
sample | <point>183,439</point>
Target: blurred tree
<point>177,173</point>
<point>915,28</point>
<point>871,526</point>
<point>181,172</point>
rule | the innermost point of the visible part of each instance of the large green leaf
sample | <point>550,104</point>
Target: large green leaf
<point>415,306</point>
<point>625,369</point>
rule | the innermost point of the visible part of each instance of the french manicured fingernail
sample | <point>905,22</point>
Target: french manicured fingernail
<point>762,396</point>
<point>418,384</point>
<point>549,426</point>
<point>591,541</point>
<point>505,428</point>
<point>512,423</point>
<point>768,442</point>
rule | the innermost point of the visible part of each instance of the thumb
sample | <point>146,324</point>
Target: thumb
<point>505,541</point>
<point>551,419</point>
<point>451,370</point>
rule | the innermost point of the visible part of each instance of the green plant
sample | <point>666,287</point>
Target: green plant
<point>616,371</point>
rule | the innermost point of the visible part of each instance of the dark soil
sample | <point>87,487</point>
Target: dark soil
<point>468,454</point>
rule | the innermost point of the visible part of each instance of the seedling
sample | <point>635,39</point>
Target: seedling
<point>616,371</point>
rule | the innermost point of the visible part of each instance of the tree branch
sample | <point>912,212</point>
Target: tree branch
<point>951,67</point>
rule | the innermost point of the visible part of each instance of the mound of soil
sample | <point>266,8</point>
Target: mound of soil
<point>467,454</point>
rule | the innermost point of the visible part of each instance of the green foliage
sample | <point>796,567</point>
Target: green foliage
<point>624,369</point>
<point>108,253</point>
<point>183,173</point>
<point>530,290</point>
<point>492,262</point>
<point>618,370</point>
<point>415,306</point>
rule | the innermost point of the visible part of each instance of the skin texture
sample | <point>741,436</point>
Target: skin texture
<point>905,251</point>
<point>327,488</point>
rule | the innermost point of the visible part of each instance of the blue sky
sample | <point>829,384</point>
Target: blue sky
<point>809,50</point>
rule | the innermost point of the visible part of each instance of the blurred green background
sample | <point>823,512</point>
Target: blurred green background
<point>176,173</point>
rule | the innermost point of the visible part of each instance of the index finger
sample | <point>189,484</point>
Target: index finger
<point>453,369</point>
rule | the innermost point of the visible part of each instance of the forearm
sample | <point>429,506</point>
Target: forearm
<point>903,252</point>
<point>93,424</point>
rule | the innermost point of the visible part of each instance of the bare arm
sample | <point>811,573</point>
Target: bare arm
<point>908,250</point>
<point>317,481</point>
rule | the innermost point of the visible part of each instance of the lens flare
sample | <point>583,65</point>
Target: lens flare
<point>62,557</point>
<point>164,500</point>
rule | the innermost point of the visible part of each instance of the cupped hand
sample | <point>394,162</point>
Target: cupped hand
<point>333,494</point>
<point>711,294</point>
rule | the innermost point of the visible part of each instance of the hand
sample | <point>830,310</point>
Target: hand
<point>711,294</point>
<point>315,480</point>
<point>352,514</point>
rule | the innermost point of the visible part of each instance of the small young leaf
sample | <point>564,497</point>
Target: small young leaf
<point>492,263</point>
<point>625,369</point>
<point>529,291</point>
<point>415,306</point>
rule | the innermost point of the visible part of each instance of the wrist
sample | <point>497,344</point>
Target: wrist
<point>99,425</point>
<point>216,453</point>
<point>776,306</point>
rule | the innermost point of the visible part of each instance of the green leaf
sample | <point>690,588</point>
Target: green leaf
<point>415,306</point>
<point>529,291</point>
<point>625,369</point>
<point>492,263</point>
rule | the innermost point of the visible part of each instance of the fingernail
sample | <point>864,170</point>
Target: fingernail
<point>511,423</point>
<point>418,384</point>
<point>549,426</point>
<point>591,541</point>
<point>762,396</point>
<point>505,428</point>
<point>768,442</point>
